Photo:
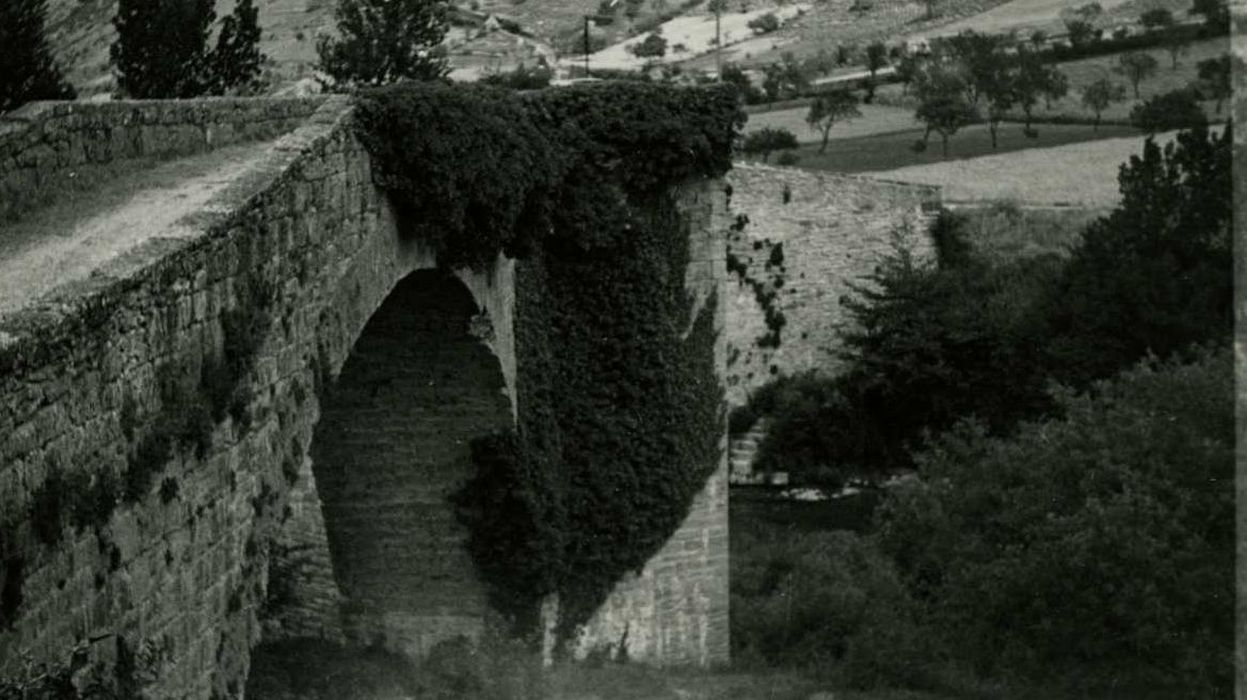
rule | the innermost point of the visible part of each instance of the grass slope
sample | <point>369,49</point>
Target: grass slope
<point>1076,174</point>
<point>890,151</point>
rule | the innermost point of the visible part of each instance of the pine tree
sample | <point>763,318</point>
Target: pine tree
<point>385,41</point>
<point>27,70</point>
<point>236,61</point>
<point>160,50</point>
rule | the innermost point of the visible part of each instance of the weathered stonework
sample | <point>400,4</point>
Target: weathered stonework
<point>49,146</point>
<point>832,232</point>
<point>184,574</point>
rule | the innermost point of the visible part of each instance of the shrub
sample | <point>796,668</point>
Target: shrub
<point>1097,547</point>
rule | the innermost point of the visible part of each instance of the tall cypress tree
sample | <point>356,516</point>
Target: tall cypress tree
<point>385,41</point>
<point>236,61</point>
<point>161,47</point>
<point>27,70</point>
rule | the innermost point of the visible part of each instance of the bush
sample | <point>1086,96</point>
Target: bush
<point>1096,547</point>
<point>765,141</point>
<point>818,601</point>
<point>522,78</point>
<point>654,45</point>
<point>1176,109</point>
<point>764,24</point>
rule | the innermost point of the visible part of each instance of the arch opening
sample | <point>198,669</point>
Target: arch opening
<point>391,445</point>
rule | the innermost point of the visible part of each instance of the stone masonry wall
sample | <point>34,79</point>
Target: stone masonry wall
<point>46,147</point>
<point>675,611</point>
<point>179,576</point>
<point>800,257</point>
<point>281,280</point>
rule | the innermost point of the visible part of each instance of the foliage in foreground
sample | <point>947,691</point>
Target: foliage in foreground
<point>1099,546</point>
<point>1089,553</point>
<point>977,336</point>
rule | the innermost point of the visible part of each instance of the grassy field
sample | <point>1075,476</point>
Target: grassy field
<point>875,119</point>
<point>1083,174</point>
<point>892,151</point>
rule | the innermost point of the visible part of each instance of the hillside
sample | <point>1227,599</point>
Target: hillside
<point>81,31</point>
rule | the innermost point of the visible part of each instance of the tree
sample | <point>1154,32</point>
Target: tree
<point>998,88</point>
<point>161,47</point>
<point>1099,95</point>
<point>1056,87</point>
<point>1039,37</point>
<point>1080,32</point>
<point>1156,275</point>
<point>1176,45</point>
<point>829,108</point>
<point>1172,110</point>
<point>27,69</point>
<point>654,45</point>
<point>1216,13</point>
<point>734,75</point>
<point>876,58</point>
<point>906,70</point>
<point>982,56</point>
<point>1034,79</point>
<point>385,41</point>
<point>943,106</point>
<point>1214,79</point>
<point>236,62</point>
<point>1137,66</point>
<point>930,5</point>
<point>1156,18</point>
<point>764,141</point>
<point>764,24</point>
<point>784,79</point>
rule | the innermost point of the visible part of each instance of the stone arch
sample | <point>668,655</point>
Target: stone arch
<point>391,445</point>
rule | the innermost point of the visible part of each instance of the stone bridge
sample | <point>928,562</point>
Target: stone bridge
<point>148,249</point>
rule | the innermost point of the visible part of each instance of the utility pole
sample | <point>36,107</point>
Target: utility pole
<point>587,46</point>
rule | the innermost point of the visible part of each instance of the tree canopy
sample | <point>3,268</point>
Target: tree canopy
<point>27,70</point>
<point>385,41</point>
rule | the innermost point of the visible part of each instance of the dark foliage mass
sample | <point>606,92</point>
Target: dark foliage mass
<point>383,41</point>
<point>27,69</point>
<point>972,337</point>
<point>619,412</point>
<point>162,50</point>
<point>1096,549</point>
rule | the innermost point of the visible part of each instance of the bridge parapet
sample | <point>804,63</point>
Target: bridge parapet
<point>49,147</point>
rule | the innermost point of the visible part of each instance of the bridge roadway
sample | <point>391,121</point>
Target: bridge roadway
<point>65,243</point>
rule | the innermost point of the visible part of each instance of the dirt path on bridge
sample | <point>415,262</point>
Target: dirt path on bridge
<point>68,241</point>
